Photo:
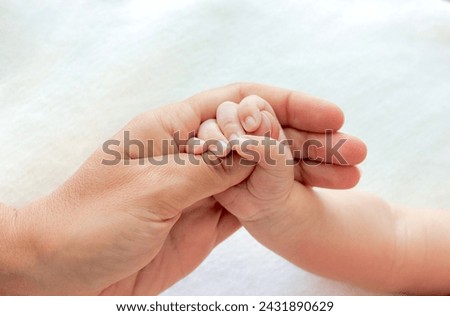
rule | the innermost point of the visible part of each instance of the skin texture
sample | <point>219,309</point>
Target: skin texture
<point>137,228</point>
<point>345,235</point>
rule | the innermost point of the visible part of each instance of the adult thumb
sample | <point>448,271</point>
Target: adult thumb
<point>184,179</point>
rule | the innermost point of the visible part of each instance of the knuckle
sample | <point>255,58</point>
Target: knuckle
<point>230,127</point>
<point>240,86</point>
<point>229,124</point>
<point>237,84</point>
<point>208,129</point>
<point>211,123</point>
<point>224,106</point>
<point>252,99</point>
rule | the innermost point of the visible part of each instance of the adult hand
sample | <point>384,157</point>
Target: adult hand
<point>136,226</point>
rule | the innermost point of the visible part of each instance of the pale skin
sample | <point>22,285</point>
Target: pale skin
<point>351,236</point>
<point>139,228</point>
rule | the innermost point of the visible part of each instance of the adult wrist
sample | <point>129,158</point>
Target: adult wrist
<point>17,253</point>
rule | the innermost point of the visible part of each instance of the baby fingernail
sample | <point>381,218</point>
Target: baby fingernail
<point>249,122</point>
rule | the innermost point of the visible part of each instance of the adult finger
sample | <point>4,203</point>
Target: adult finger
<point>327,175</point>
<point>337,148</point>
<point>295,109</point>
<point>192,238</point>
<point>180,121</point>
<point>174,182</point>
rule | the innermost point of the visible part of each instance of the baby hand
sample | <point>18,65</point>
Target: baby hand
<point>253,131</point>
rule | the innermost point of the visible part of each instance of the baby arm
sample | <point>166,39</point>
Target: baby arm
<point>345,235</point>
<point>359,238</point>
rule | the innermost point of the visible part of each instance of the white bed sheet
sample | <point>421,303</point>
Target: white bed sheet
<point>72,73</point>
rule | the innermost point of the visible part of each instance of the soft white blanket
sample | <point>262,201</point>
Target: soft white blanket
<point>74,72</point>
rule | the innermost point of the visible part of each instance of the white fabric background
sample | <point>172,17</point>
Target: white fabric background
<point>73,72</point>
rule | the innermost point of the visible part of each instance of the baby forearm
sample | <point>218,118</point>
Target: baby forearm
<point>423,266</point>
<point>380,246</point>
<point>354,238</point>
<point>342,235</point>
<point>359,238</point>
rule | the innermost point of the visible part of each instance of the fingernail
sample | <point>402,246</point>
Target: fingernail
<point>249,122</point>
